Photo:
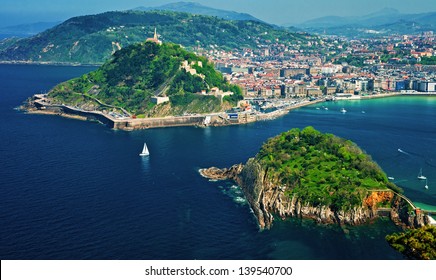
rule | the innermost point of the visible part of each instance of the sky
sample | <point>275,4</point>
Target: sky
<point>14,12</point>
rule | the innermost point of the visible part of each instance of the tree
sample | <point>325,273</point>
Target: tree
<point>415,244</point>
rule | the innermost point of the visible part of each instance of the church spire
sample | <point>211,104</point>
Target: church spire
<point>155,38</point>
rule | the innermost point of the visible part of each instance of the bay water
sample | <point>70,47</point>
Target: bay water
<point>78,190</point>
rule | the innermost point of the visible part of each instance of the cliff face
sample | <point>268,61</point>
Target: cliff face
<point>267,199</point>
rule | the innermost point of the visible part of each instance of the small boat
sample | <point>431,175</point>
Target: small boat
<point>391,178</point>
<point>363,112</point>
<point>145,151</point>
<point>426,185</point>
<point>403,152</point>
<point>420,176</point>
<point>343,110</point>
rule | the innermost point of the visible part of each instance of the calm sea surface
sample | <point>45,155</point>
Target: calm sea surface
<point>78,190</point>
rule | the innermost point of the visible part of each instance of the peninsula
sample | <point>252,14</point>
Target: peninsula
<point>142,81</point>
<point>307,174</point>
<point>149,85</point>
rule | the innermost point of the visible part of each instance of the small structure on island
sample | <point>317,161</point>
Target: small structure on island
<point>155,38</point>
<point>219,93</point>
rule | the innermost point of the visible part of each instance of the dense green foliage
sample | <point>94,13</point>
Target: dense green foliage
<point>428,60</point>
<point>415,244</point>
<point>322,169</point>
<point>352,60</point>
<point>140,71</point>
<point>92,39</point>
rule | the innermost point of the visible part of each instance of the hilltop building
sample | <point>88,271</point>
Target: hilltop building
<point>155,38</point>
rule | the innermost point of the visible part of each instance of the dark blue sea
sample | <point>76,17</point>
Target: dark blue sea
<point>78,190</point>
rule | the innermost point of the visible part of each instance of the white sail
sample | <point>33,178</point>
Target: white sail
<point>145,151</point>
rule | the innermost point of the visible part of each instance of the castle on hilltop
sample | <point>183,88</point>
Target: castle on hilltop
<point>155,38</point>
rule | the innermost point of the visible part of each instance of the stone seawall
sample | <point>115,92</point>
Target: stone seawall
<point>158,122</point>
<point>122,124</point>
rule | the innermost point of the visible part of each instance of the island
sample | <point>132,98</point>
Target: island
<point>308,174</point>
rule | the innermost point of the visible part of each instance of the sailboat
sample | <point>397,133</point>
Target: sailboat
<point>420,176</point>
<point>145,151</point>
<point>426,185</point>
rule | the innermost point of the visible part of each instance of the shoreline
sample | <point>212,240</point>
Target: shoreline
<point>38,106</point>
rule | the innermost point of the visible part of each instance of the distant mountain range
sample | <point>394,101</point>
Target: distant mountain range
<point>198,9</point>
<point>92,39</point>
<point>384,22</point>
<point>25,30</point>
<point>30,29</point>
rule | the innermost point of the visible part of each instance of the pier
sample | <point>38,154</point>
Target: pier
<point>428,213</point>
<point>386,211</point>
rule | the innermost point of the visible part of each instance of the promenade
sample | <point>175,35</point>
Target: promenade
<point>129,123</point>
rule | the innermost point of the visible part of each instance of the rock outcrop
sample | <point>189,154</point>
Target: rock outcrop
<point>214,173</point>
<point>402,214</point>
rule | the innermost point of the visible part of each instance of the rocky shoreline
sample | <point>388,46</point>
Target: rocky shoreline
<point>268,200</point>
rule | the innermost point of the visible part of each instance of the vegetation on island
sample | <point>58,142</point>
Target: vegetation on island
<point>415,244</point>
<point>92,39</point>
<point>139,72</point>
<point>322,169</point>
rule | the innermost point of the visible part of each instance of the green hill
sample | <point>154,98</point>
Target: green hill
<point>322,169</point>
<point>92,39</point>
<point>141,71</point>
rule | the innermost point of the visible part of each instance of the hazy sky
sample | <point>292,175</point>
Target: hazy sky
<point>273,11</point>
